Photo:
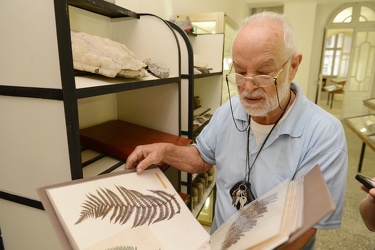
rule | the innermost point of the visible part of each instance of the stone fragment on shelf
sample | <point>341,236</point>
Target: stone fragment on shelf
<point>158,69</point>
<point>104,56</point>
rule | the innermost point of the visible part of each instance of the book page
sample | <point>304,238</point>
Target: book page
<point>293,216</point>
<point>257,222</point>
<point>125,205</point>
<point>137,238</point>
<point>317,201</point>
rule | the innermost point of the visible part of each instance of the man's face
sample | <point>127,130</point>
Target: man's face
<point>257,51</point>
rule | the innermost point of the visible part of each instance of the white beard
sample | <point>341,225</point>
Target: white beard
<point>268,104</point>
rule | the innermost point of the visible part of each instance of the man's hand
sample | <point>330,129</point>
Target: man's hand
<point>146,155</point>
<point>184,158</point>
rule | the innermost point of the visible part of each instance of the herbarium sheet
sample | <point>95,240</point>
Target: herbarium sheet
<point>125,211</point>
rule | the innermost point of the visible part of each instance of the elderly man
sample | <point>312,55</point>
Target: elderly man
<point>268,133</point>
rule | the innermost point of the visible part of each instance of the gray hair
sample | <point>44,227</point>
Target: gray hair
<point>290,46</point>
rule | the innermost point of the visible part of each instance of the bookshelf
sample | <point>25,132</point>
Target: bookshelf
<point>44,105</point>
<point>206,85</point>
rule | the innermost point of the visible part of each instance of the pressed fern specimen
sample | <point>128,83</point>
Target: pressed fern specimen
<point>246,220</point>
<point>147,209</point>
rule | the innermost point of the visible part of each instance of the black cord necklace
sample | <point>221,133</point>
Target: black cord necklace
<point>241,192</point>
<point>231,111</point>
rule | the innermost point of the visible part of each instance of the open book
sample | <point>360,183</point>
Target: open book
<point>126,210</point>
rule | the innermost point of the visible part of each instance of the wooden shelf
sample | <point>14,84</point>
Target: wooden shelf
<point>119,138</point>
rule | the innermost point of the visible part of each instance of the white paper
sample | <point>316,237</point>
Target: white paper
<point>182,228</point>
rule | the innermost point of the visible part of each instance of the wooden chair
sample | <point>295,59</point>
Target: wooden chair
<point>337,88</point>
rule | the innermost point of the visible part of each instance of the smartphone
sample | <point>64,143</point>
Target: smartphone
<point>367,182</point>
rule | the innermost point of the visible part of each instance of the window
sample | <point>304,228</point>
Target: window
<point>336,54</point>
<point>355,14</point>
<point>337,48</point>
<point>366,14</point>
<point>345,16</point>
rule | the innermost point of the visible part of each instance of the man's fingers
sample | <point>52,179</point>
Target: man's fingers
<point>134,158</point>
<point>130,162</point>
<point>143,165</point>
<point>142,157</point>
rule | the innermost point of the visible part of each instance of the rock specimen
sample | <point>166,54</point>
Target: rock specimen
<point>158,69</point>
<point>104,56</point>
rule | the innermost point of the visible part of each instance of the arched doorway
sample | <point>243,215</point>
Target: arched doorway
<point>348,59</point>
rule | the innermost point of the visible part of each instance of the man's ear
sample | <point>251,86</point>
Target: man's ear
<point>295,61</point>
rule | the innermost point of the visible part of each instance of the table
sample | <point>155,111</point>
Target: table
<point>364,127</point>
<point>337,88</point>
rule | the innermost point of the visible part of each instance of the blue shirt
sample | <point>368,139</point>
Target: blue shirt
<point>307,136</point>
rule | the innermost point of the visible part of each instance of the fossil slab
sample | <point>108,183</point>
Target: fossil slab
<point>104,56</point>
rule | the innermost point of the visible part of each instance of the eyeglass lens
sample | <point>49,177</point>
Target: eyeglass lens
<point>259,80</point>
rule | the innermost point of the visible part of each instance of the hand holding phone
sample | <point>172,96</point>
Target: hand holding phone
<point>367,182</point>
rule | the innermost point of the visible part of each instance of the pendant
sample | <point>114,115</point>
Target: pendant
<point>241,194</point>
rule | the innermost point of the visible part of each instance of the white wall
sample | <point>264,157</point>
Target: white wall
<point>166,8</point>
<point>302,16</point>
<point>323,13</point>
<point>161,8</point>
<point>308,17</point>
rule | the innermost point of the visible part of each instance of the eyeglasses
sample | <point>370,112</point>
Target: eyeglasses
<point>259,80</point>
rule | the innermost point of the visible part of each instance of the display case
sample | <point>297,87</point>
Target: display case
<point>370,103</point>
<point>364,127</point>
